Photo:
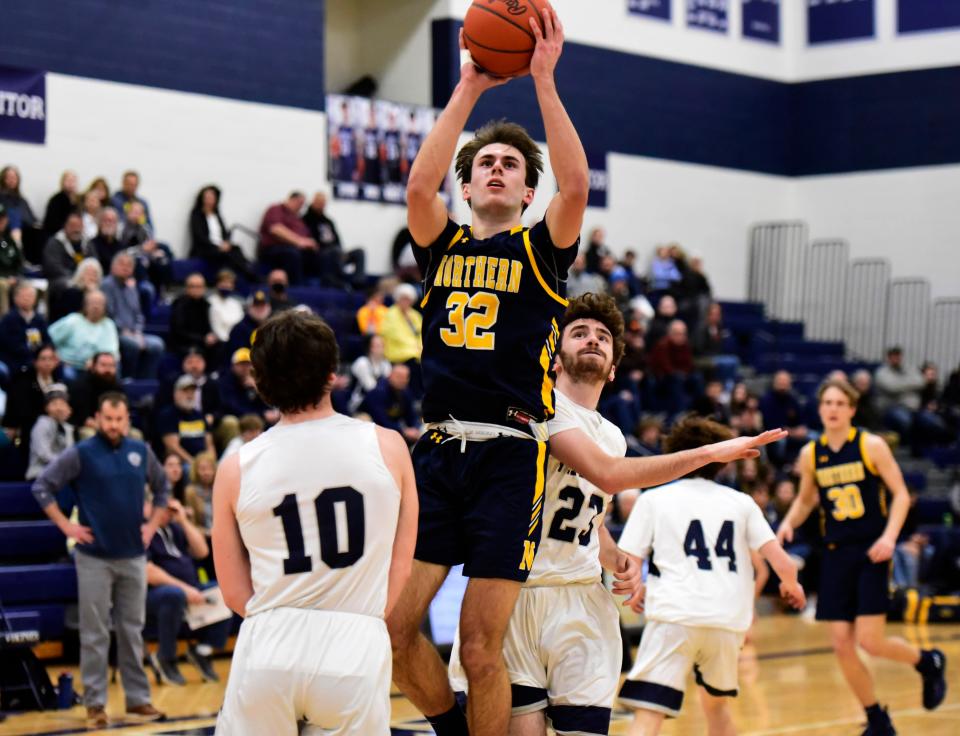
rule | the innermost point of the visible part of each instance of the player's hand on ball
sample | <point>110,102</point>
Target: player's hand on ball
<point>793,594</point>
<point>474,77</point>
<point>881,551</point>
<point>741,448</point>
<point>549,46</point>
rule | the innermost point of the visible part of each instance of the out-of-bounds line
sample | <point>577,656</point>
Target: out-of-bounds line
<point>828,650</point>
<point>800,728</point>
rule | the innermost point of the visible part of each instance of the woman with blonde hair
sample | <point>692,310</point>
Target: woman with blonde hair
<point>87,278</point>
<point>198,498</point>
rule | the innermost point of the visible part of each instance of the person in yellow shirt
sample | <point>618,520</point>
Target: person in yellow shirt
<point>370,315</point>
<point>401,331</point>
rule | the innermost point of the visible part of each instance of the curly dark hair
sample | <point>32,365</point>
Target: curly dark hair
<point>511,134</point>
<point>693,432</point>
<point>604,310</point>
<point>293,355</point>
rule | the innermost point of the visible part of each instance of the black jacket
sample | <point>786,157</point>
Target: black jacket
<point>189,323</point>
<point>200,245</point>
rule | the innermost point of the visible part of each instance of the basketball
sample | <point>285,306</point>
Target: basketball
<point>497,34</point>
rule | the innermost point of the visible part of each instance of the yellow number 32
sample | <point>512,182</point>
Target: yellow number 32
<point>847,502</point>
<point>472,330</point>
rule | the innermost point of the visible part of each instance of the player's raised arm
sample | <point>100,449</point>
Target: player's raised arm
<point>614,474</point>
<point>426,210</point>
<point>883,460</point>
<point>397,456</point>
<point>568,160</point>
<point>229,554</point>
<point>807,498</point>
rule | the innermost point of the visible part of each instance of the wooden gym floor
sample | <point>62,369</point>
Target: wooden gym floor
<point>789,684</point>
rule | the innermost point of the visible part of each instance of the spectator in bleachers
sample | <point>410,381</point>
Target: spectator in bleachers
<point>251,426</point>
<point>140,353</point>
<point>80,336</point>
<point>100,187</point>
<point>27,395</point>
<point>173,469</point>
<point>629,264</point>
<point>258,310</point>
<point>596,250</point>
<point>106,244</point>
<point>226,308</point>
<point>208,392</point>
<point>951,399</point>
<point>90,210</point>
<point>671,362</point>
<point>210,237</point>
<point>368,370</point>
<point>285,241</point>
<point>63,252</point>
<point>339,268</point>
<point>198,498</point>
<point>784,492</point>
<point>402,333</point>
<point>931,426</point>
<point>404,263</point>
<point>649,437</point>
<point>909,552</point>
<point>664,273</point>
<point>154,259</point>
<point>708,349</point>
<point>666,313</point>
<point>631,373</point>
<point>693,290</point>
<point>747,420</point>
<point>390,404</point>
<point>52,433</point>
<point>111,537</point>
<point>898,393</point>
<point>18,208</point>
<point>174,585</point>
<point>781,407</point>
<point>62,203</point>
<point>580,281</point>
<point>710,404</point>
<point>11,259</point>
<point>238,391</point>
<point>182,427</point>
<point>128,195</point>
<point>22,331</point>
<point>867,415</point>
<point>277,283</point>
<point>370,316</point>
<point>100,379</point>
<point>88,277</point>
<point>190,320</point>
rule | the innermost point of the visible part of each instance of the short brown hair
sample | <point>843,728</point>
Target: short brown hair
<point>114,398</point>
<point>293,355</point>
<point>604,310</point>
<point>251,423</point>
<point>849,391</point>
<point>693,432</point>
<point>510,134</point>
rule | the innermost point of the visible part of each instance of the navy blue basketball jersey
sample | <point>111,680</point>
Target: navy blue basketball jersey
<point>391,146</point>
<point>491,312</point>
<point>411,146</point>
<point>853,498</point>
<point>371,144</point>
<point>345,139</point>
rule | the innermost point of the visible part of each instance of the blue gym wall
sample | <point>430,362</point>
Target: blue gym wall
<point>261,50</point>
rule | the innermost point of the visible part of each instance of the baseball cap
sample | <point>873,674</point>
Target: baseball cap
<point>185,381</point>
<point>241,355</point>
<point>259,298</point>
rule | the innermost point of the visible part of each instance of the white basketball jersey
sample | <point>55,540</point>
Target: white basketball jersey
<point>569,549</point>
<point>317,512</point>
<point>697,535</point>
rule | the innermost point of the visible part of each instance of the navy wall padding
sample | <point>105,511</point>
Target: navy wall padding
<point>262,50</point>
<point>642,106</point>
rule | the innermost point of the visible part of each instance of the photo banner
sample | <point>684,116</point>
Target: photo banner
<point>23,105</point>
<point>839,20</point>
<point>371,146</point>
<point>659,9</point>
<point>761,20</point>
<point>599,179</point>
<point>927,15</point>
<point>710,15</point>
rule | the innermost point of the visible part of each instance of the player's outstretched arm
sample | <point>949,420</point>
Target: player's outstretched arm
<point>426,211</point>
<point>806,500</point>
<point>613,474</point>
<point>567,158</point>
<point>397,457</point>
<point>229,555</point>
<point>882,458</point>
<point>790,588</point>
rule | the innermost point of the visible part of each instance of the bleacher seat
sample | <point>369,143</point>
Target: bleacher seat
<point>47,618</point>
<point>932,510</point>
<point>17,501</point>
<point>183,267</point>
<point>138,390</point>
<point>54,582</point>
<point>945,457</point>
<point>916,479</point>
<point>33,540</point>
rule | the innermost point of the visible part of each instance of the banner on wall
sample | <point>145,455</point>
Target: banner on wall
<point>839,20</point>
<point>761,20</point>
<point>599,179</point>
<point>708,14</point>
<point>372,144</point>
<point>23,105</point>
<point>927,15</point>
<point>651,8</point>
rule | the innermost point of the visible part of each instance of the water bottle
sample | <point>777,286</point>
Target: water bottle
<point>65,691</point>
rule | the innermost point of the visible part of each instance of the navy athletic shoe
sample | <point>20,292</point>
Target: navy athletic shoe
<point>879,724</point>
<point>933,668</point>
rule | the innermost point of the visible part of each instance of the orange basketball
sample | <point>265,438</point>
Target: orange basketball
<point>498,35</point>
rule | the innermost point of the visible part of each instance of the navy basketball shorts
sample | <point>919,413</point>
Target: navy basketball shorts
<point>481,504</point>
<point>851,585</point>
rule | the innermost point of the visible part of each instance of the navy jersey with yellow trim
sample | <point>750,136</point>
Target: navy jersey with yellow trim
<point>491,311</point>
<point>853,498</point>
